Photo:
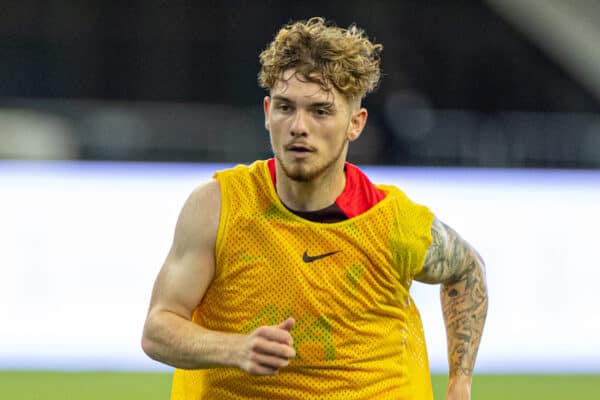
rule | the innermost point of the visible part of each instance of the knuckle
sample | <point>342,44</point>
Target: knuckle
<point>283,363</point>
<point>256,342</point>
<point>260,330</point>
<point>252,359</point>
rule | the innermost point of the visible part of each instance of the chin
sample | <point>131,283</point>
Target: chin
<point>306,170</point>
<point>300,173</point>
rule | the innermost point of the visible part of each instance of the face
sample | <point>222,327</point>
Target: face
<point>310,128</point>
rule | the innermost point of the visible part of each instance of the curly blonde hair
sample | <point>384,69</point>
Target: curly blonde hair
<point>324,54</point>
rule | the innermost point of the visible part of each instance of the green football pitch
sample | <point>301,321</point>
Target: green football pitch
<point>148,386</point>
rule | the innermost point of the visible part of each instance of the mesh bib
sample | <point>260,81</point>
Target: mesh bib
<point>358,334</point>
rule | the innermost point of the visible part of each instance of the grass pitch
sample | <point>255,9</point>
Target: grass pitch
<point>31,385</point>
<point>83,385</point>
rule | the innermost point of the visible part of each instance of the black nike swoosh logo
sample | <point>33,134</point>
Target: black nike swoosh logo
<point>307,259</point>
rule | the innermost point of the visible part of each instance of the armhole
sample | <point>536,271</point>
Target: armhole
<point>427,220</point>
<point>417,221</point>
<point>223,220</point>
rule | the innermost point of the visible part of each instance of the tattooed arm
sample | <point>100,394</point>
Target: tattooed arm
<point>452,262</point>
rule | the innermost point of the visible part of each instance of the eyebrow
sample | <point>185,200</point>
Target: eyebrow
<point>328,104</point>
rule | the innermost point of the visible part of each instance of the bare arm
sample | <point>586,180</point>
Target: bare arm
<point>452,262</point>
<point>170,336</point>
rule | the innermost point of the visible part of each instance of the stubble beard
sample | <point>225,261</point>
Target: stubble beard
<point>305,172</point>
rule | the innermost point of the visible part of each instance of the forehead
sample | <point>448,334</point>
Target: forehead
<point>297,88</point>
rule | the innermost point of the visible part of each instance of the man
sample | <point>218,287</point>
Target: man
<point>289,278</point>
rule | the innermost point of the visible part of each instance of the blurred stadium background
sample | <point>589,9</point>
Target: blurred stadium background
<point>111,112</point>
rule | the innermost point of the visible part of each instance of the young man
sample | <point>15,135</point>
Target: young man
<point>289,278</point>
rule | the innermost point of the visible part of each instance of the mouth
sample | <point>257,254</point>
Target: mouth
<point>299,148</point>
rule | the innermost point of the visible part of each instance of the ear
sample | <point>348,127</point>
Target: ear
<point>357,123</point>
<point>266,109</point>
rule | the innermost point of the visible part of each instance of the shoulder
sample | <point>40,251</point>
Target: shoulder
<point>448,255</point>
<point>205,195</point>
<point>408,214</point>
<point>256,168</point>
<point>198,221</point>
<point>243,180</point>
<point>397,194</point>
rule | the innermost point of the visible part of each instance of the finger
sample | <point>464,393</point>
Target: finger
<point>269,361</point>
<point>273,348</point>
<point>258,369</point>
<point>287,324</point>
<point>274,333</point>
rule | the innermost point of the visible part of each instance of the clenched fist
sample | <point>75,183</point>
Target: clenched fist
<point>268,348</point>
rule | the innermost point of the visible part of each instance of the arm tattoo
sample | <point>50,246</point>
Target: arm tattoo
<point>456,265</point>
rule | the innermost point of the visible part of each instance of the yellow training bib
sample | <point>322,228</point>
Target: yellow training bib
<point>358,334</point>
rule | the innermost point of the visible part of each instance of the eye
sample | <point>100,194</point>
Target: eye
<point>321,112</point>
<point>283,107</point>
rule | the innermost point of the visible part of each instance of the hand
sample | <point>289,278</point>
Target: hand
<point>459,388</point>
<point>268,349</point>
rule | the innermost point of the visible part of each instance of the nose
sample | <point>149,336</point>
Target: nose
<point>299,127</point>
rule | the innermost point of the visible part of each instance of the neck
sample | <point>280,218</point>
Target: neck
<point>312,195</point>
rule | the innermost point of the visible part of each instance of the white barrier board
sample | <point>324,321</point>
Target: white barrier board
<point>81,244</point>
